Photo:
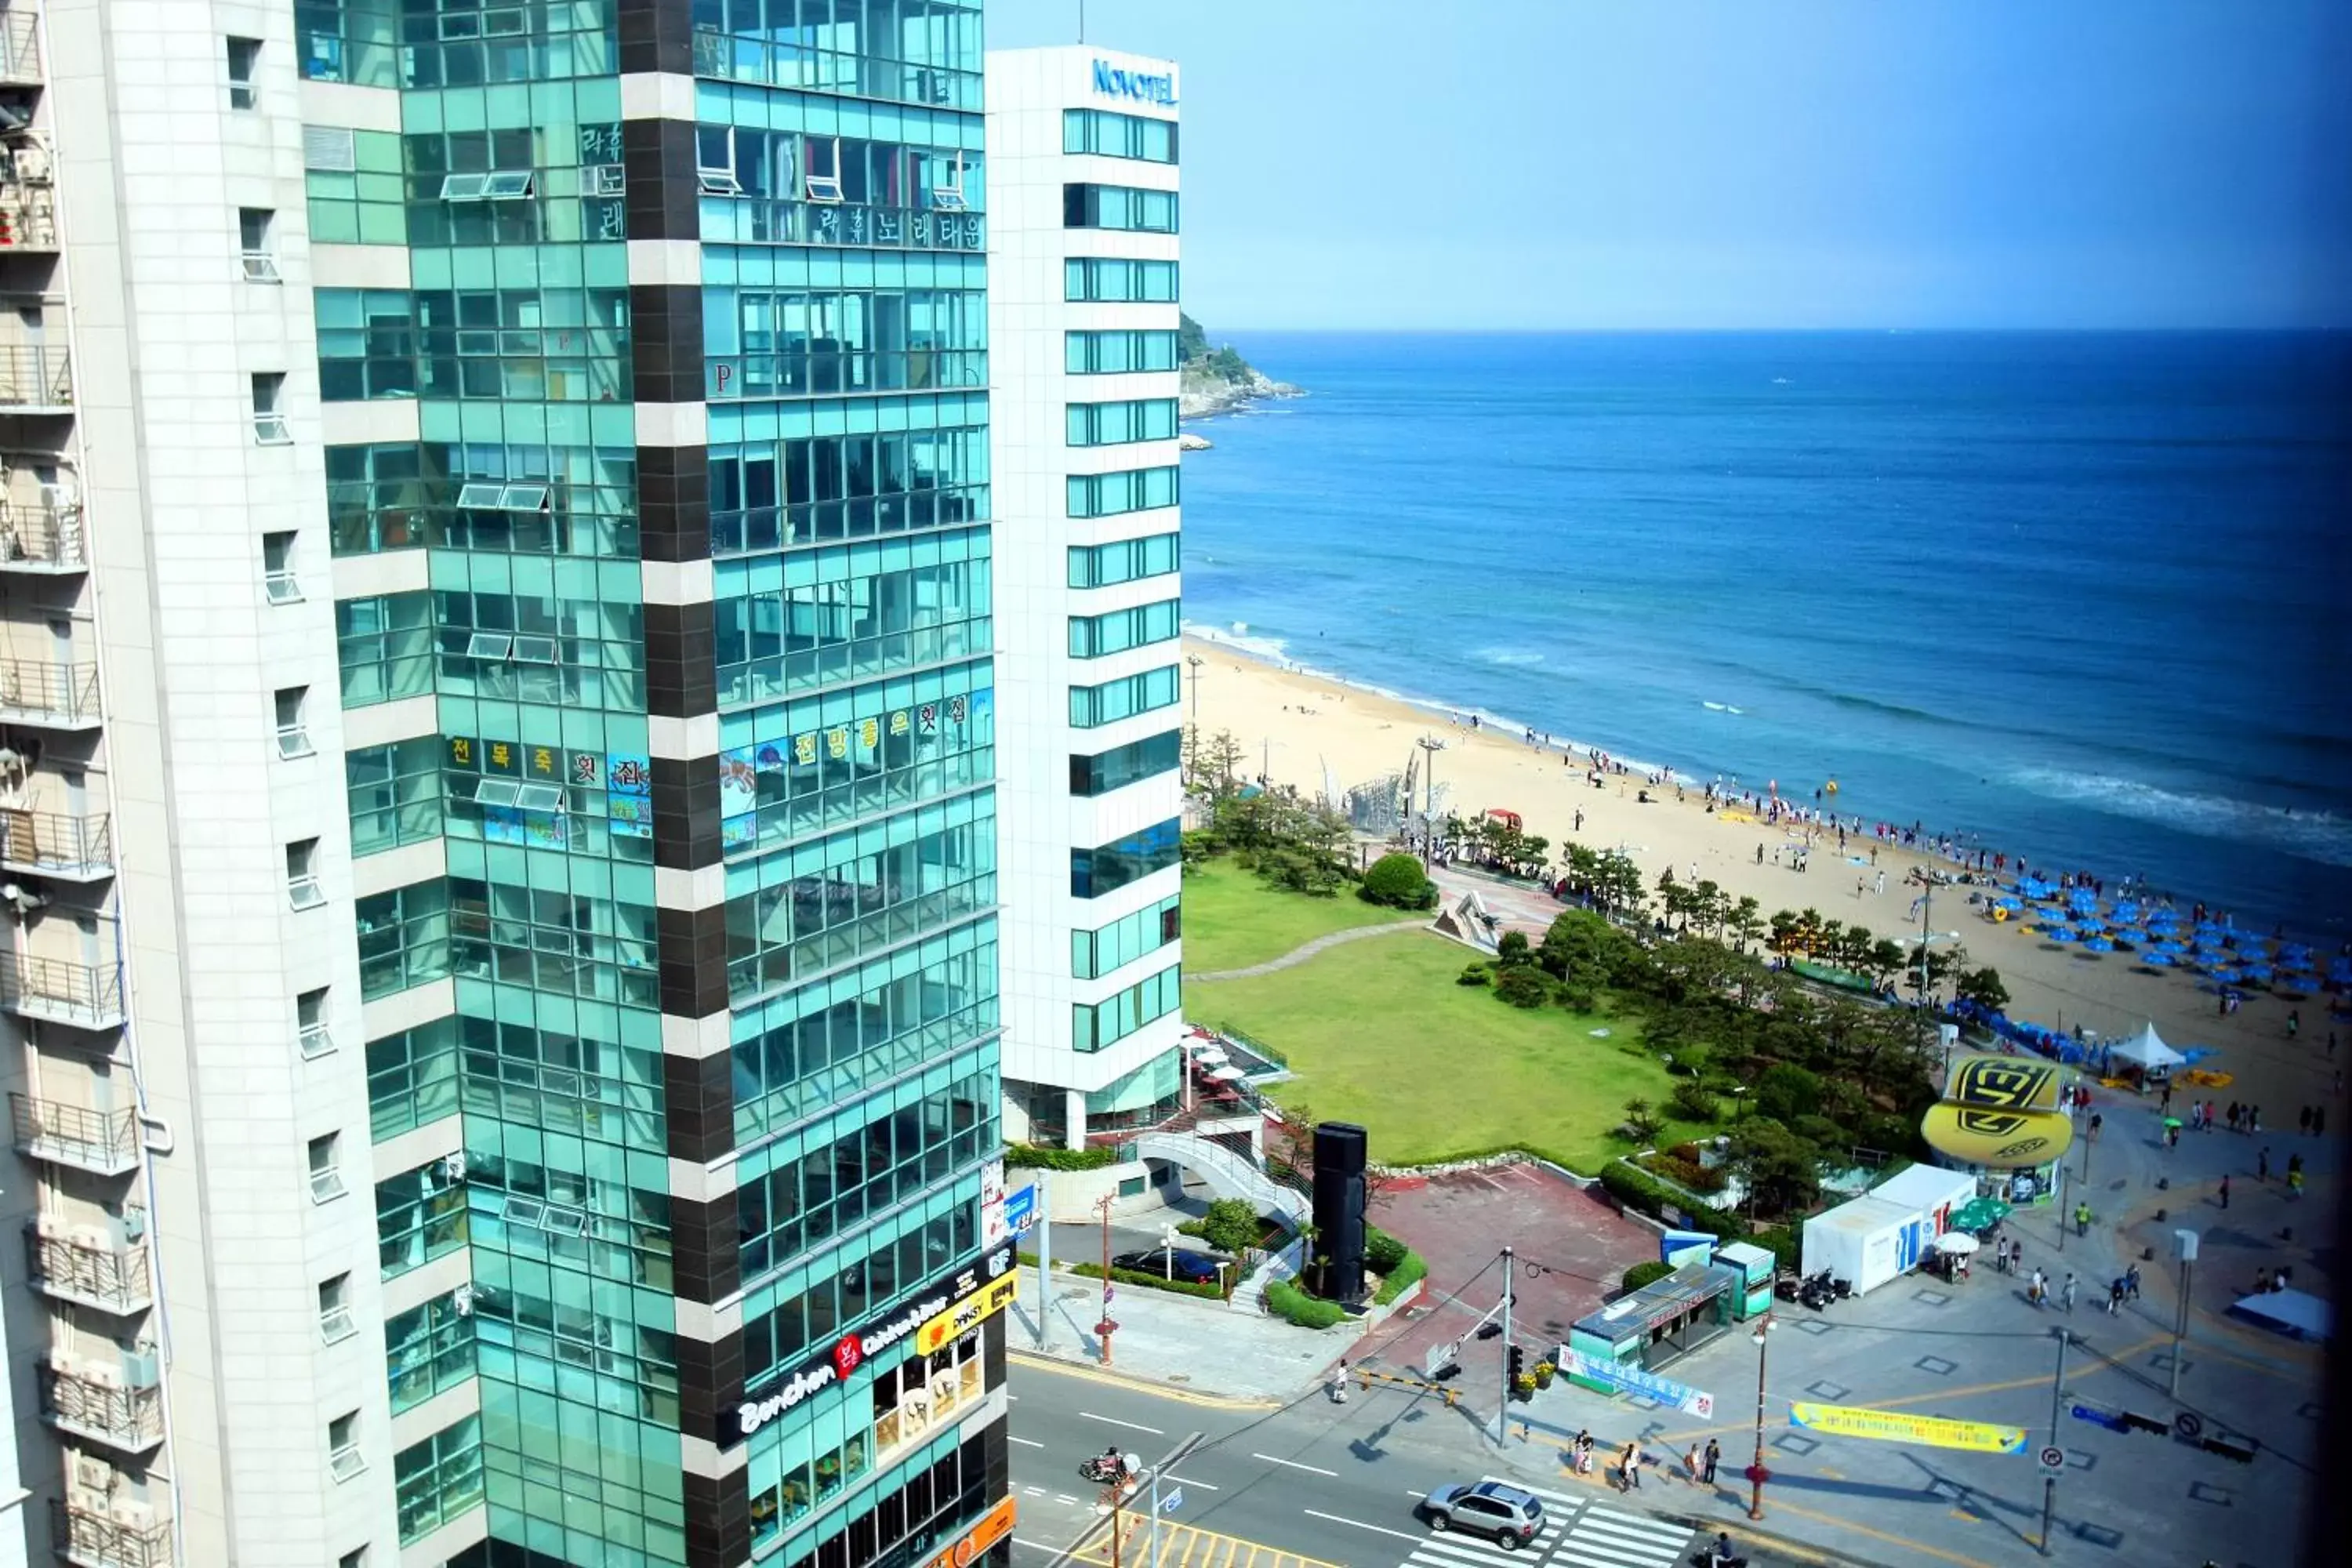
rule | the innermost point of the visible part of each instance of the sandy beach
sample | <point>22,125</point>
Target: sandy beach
<point>1304,728</point>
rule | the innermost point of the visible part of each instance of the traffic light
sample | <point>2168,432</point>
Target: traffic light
<point>1515,1362</point>
<point>1488,1330</point>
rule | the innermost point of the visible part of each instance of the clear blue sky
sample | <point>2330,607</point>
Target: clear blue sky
<point>1647,164</point>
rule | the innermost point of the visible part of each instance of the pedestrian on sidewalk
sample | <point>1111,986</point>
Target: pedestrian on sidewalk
<point>1714,1458</point>
<point>2131,1283</point>
<point>1629,1468</point>
<point>2263,1164</point>
<point>1582,1451</point>
<point>1338,1384</point>
<point>2236,1113</point>
<point>2114,1295</point>
<point>2082,1219</point>
<point>2225,1190</point>
<point>2038,1291</point>
<point>2069,1295</point>
<point>2096,1123</point>
<point>1691,1464</point>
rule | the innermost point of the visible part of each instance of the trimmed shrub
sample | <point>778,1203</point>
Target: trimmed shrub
<point>1409,1272</point>
<point>1523,985</point>
<point>1298,1309</point>
<point>1471,974</point>
<point>1636,1190</point>
<point>1648,1273</point>
<point>1382,1252</point>
<point>1231,1225</point>
<point>1206,1291</point>
<point>1043,1157</point>
<point>1398,882</point>
<point>1690,1102</point>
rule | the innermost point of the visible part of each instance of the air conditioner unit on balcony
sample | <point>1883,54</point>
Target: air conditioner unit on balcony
<point>142,1368</point>
<point>92,1475</point>
<point>99,1375</point>
<point>28,164</point>
<point>63,1363</point>
<point>51,1226</point>
<point>94,1237</point>
<point>134,1515</point>
<point>131,1226</point>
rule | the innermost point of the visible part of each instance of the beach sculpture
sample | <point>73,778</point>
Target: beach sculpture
<point>1999,1113</point>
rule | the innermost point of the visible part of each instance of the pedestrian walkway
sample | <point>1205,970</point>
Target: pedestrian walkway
<point>1188,1546</point>
<point>1308,950</point>
<point>1178,1343</point>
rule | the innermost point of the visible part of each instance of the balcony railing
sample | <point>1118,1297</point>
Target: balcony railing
<point>110,1535</point>
<point>41,535</point>
<point>84,996</point>
<point>20,44</point>
<point>89,1269</point>
<point>59,696</point>
<point>100,1403</point>
<point>104,1142</point>
<point>36,375</point>
<point>28,221</point>
<point>56,845</point>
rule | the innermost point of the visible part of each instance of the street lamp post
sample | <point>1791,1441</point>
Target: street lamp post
<point>1756,1472</point>
<point>1431,745</point>
<point>1196,661</point>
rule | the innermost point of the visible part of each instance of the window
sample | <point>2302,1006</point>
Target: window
<point>303,873</point>
<point>1110,867</point>
<point>394,793</point>
<point>1118,354</point>
<point>1143,692</point>
<point>335,1322</point>
<point>277,578</point>
<point>439,1479</point>
<point>1105,280</point>
<point>823,182</point>
<point>293,731</point>
<point>1093,636</point>
<point>269,409</point>
<point>244,68</point>
<point>1111,1020</point>
<point>326,1173</point>
<point>1116,424</point>
<point>412,1077</point>
<point>1104,566</point>
<point>344,1457</point>
<point>1123,765</point>
<point>714,162</point>
<point>1132,490</point>
<point>1095,954</point>
<point>1119,206</point>
<point>1109,135</point>
<point>310,1023</point>
<point>255,238</point>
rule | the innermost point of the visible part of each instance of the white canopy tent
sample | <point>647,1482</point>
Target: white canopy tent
<point>2145,1051</point>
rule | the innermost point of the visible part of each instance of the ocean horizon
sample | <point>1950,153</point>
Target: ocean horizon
<point>2073,596</point>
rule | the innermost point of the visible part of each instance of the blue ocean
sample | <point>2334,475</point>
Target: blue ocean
<point>2086,597</point>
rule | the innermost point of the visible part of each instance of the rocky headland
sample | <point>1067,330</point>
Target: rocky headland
<point>1219,381</point>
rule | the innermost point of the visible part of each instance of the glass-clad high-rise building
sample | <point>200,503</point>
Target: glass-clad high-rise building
<point>652,356</point>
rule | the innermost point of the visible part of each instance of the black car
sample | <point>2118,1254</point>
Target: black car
<point>1170,1262</point>
<point>1511,1517</point>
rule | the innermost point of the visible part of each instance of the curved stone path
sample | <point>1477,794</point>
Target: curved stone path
<point>1308,950</point>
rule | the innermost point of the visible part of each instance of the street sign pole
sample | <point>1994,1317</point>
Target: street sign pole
<point>1044,1226</point>
<point>1503,1404</point>
<point>2050,1481</point>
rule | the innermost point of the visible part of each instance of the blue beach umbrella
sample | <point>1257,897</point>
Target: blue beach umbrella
<point>2161,959</point>
<point>2100,945</point>
<point>2258,972</point>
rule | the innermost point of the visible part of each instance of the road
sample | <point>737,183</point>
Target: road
<point>1309,1486</point>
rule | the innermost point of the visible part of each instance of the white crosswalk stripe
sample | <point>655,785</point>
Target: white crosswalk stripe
<point>1605,1537</point>
<point>1454,1550</point>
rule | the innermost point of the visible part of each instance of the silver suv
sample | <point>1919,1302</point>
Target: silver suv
<point>1511,1516</point>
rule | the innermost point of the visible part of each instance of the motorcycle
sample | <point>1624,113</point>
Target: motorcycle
<point>1102,1469</point>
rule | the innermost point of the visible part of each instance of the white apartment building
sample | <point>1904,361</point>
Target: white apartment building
<point>192,1325</point>
<point>1082,321</point>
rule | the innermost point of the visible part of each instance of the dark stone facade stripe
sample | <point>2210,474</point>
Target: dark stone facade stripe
<point>674,502</point>
<point>686,813</point>
<point>682,664</point>
<point>666,341</point>
<point>656,35</point>
<point>717,1520</point>
<point>693,970</point>
<point>664,200</point>
<point>707,1252</point>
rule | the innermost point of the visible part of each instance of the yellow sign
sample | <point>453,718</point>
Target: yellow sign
<point>967,1315</point>
<point>2002,1140</point>
<point>2004,1083</point>
<point>1894,1426</point>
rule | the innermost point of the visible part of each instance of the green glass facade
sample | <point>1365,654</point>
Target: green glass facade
<point>708,593</point>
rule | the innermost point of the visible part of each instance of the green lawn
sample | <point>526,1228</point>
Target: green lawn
<point>1231,920</point>
<point>1379,1032</point>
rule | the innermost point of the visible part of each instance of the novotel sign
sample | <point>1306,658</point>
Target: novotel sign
<point>854,1350</point>
<point>1114,82</point>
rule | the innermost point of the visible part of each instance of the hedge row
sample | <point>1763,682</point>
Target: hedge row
<point>1403,1277</point>
<point>1044,1157</point>
<point>1636,1189</point>
<point>1300,1310</point>
<point>1206,1291</point>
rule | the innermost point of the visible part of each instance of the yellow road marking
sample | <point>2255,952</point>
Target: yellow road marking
<point>1190,1546</point>
<point>1140,1385</point>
